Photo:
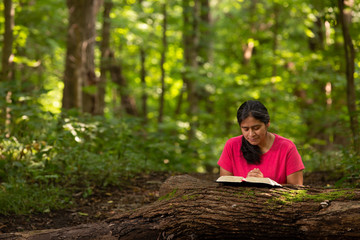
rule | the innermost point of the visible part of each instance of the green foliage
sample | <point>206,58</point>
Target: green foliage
<point>294,69</point>
<point>350,163</point>
<point>22,198</point>
<point>68,154</point>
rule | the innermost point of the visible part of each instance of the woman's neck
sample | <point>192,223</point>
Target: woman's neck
<point>269,140</point>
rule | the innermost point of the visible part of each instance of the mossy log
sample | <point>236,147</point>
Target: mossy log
<point>197,209</point>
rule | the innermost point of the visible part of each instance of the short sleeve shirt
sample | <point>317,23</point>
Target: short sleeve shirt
<point>281,160</point>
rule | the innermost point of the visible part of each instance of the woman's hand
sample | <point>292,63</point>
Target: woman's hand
<point>255,173</point>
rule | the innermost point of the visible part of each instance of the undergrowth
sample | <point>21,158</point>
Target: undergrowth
<point>40,170</point>
<point>47,158</point>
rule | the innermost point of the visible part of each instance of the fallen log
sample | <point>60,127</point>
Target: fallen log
<point>190,208</point>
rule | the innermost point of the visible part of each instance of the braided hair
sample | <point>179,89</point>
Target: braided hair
<point>252,153</point>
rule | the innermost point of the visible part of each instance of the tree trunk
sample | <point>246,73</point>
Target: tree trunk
<point>162,62</point>
<point>190,44</point>
<point>7,55</point>
<point>72,93</point>
<point>105,57</point>
<point>205,38</point>
<point>7,61</point>
<point>90,83</point>
<point>198,209</point>
<point>127,101</point>
<point>144,95</point>
<point>345,21</point>
<point>80,82</point>
<point>179,101</point>
<point>275,27</point>
<point>205,51</point>
<point>249,46</point>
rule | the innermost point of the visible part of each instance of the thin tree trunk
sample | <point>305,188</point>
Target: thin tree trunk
<point>180,100</point>
<point>162,62</point>
<point>345,21</point>
<point>144,95</point>
<point>190,39</point>
<point>275,31</point>
<point>205,38</point>
<point>127,101</point>
<point>205,50</point>
<point>317,43</point>
<point>7,60</point>
<point>249,47</point>
<point>105,56</point>
<point>7,55</point>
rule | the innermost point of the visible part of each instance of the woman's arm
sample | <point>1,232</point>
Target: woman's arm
<point>295,178</point>
<point>224,172</point>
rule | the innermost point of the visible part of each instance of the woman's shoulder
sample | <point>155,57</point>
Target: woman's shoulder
<point>280,140</point>
<point>234,140</point>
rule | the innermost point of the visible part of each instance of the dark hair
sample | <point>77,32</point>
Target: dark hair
<point>256,109</point>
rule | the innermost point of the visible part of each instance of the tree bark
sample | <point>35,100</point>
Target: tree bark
<point>127,101</point>
<point>7,60</point>
<point>105,57</point>
<point>162,67</point>
<point>198,209</point>
<point>144,95</point>
<point>179,101</point>
<point>91,82</point>
<point>190,45</point>
<point>275,45</point>
<point>7,55</point>
<point>79,78</point>
<point>345,21</point>
<point>205,38</point>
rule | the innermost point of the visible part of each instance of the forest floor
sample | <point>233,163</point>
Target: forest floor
<point>104,203</point>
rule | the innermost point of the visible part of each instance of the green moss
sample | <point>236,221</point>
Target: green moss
<point>246,192</point>
<point>189,197</point>
<point>168,196</point>
<point>292,196</point>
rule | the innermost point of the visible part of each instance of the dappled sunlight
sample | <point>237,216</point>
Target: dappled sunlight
<point>134,90</point>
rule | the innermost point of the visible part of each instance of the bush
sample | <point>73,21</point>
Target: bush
<point>58,156</point>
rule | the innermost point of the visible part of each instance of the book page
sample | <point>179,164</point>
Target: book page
<point>258,180</point>
<point>247,181</point>
<point>262,180</point>
<point>230,179</point>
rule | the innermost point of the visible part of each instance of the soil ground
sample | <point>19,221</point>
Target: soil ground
<point>103,203</point>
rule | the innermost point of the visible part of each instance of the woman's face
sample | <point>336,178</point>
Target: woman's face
<point>254,130</point>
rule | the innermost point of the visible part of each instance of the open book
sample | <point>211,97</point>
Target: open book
<point>250,181</point>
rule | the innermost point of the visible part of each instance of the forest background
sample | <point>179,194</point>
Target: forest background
<point>97,90</point>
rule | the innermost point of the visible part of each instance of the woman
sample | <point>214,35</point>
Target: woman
<point>259,153</point>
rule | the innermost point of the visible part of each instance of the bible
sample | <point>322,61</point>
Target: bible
<point>250,181</point>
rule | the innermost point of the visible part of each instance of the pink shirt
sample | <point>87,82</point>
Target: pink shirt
<point>281,160</point>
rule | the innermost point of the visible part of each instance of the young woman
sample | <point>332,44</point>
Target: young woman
<point>259,153</point>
